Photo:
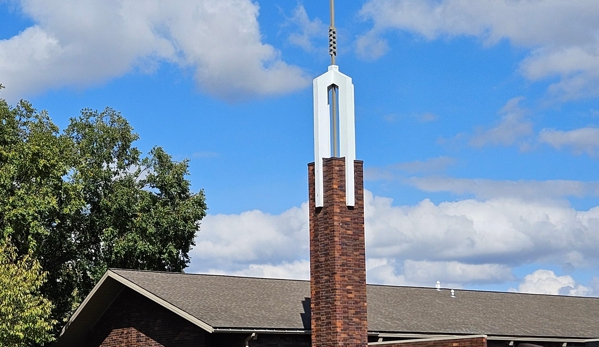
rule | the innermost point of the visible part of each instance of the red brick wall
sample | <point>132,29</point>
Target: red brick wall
<point>465,342</point>
<point>128,337</point>
<point>337,260</point>
<point>133,320</point>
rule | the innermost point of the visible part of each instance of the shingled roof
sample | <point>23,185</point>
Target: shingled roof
<point>220,303</point>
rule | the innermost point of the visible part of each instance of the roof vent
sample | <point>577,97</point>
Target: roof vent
<point>453,293</point>
<point>438,286</point>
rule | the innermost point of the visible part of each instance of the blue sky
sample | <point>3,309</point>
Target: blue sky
<point>477,120</point>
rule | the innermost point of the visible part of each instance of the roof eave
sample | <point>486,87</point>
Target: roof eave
<point>162,302</point>
<point>99,300</point>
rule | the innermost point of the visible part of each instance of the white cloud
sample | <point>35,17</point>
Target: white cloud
<point>583,140</point>
<point>437,164</point>
<point>473,235</point>
<point>456,272</point>
<point>526,23</point>
<point>578,67</point>
<point>390,172</point>
<point>426,117</point>
<point>546,282</point>
<point>83,43</point>
<point>425,273</point>
<point>462,242</point>
<point>379,174</point>
<point>558,48</point>
<point>234,242</point>
<point>385,271</point>
<point>515,128</point>
<point>512,127</point>
<point>497,231</point>
<point>308,29</point>
<point>299,269</point>
<point>523,189</point>
<point>371,47</point>
<point>594,285</point>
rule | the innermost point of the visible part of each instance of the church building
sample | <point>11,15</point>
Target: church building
<point>335,307</point>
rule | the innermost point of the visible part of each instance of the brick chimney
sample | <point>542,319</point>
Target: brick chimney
<point>337,258</point>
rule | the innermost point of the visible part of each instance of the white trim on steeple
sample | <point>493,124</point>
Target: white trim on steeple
<point>322,130</point>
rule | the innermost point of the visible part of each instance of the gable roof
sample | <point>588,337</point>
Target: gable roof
<point>226,303</point>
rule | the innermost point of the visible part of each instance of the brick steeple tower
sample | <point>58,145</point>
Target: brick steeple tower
<point>337,251</point>
<point>337,260</point>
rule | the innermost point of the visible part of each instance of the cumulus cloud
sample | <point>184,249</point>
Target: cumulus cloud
<point>234,242</point>
<point>427,117</point>
<point>425,273</point>
<point>83,43</point>
<point>459,243</point>
<point>437,164</point>
<point>473,241</point>
<point>299,269</point>
<point>307,30</point>
<point>512,127</point>
<point>390,172</point>
<point>583,140</point>
<point>497,231</point>
<point>594,284</point>
<point>558,48</point>
<point>371,46</point>
<point>522,189</point>
<point>547,282</point>
<point>426,175</point>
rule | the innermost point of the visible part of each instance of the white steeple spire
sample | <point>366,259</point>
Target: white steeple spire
<point>334,103</point>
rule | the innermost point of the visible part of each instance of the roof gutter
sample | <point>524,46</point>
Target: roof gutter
<point>409,336</point>
<point>290,331</point>
<point>544,339</point>
<point>430,339</point>
<point>261,331</point>
<point>489,337</point>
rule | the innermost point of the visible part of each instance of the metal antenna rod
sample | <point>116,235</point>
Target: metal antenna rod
<point>333,54</point>
<point>332,34</point>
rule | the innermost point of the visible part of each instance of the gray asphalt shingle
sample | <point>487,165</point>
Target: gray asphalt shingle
<point>259,303</point>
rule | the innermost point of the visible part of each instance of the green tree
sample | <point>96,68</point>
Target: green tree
<point>85,200</point>
<point>38,199</point>
<point>24,312</point>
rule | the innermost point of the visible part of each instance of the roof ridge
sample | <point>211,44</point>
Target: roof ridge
<point>482,291</point>
<point>208,274</point>
<point>368,284</point>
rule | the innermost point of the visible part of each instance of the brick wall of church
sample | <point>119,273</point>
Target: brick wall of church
<point>337,260</point>
<point>133,320</point>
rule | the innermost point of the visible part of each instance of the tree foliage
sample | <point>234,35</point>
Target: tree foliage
<point>24,313</point>
<point>85,199</point>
